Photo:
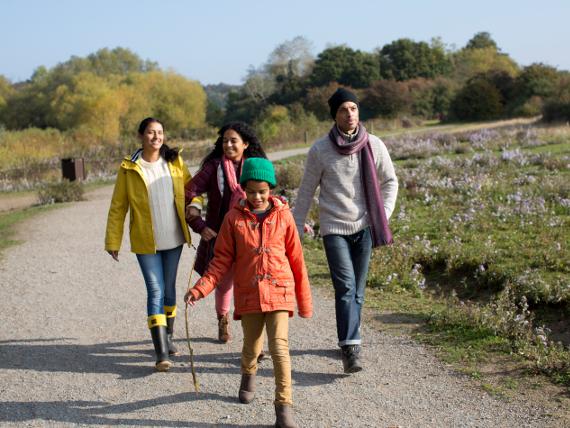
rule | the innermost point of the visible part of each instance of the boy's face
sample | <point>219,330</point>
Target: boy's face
<point>257,194</point>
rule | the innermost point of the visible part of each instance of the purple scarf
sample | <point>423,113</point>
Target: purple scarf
<point>381,234</point>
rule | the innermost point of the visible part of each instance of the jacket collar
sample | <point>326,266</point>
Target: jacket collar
<point>278,204</point>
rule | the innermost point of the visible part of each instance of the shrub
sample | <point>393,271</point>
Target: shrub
<point>388,98</point>
<point>478,100</point>
<point>529,109</point>
<point>289,175</point>
<point>556,111</point>
<point>62,191</point>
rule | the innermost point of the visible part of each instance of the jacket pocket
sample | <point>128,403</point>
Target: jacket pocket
<point>281,290</point>
<point>244,293</point>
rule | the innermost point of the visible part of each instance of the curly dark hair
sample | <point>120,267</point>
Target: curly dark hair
<point>247,134</point>
<point>166,152</point>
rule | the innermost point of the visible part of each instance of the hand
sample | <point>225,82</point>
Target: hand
<point>189,298</point>
<point>192,213</point>
<point>308,229</point>
<point>114,254</point>
<point>208,234</point>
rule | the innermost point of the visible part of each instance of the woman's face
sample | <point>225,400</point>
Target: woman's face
<point>153,137</point>
<point>233,145</point>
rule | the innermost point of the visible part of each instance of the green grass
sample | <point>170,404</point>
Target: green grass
<point>9,221</point>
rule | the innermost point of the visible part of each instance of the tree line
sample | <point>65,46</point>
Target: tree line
<point>430,80</point>
<point>108,92</point>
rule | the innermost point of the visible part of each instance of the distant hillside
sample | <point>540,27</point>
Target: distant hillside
<point>219,93</point>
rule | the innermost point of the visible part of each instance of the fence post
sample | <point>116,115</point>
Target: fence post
<point>306,138</point>
<point>372,128</point>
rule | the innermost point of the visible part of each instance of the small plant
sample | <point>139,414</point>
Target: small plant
<point>62,191</point>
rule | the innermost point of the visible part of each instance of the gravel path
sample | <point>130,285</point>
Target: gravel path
<point>75,351</point>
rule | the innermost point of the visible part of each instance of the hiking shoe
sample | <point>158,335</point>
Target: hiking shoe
<point>350,358</point>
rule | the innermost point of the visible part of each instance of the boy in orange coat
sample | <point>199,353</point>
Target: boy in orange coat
<point>260,236</point>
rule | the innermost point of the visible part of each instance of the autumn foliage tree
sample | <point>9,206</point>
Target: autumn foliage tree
<point>108,92</point>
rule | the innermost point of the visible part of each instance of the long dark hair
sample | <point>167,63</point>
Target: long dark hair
<point>166,152</point>
<point>247,134</point>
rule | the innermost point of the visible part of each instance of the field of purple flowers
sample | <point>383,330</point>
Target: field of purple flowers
<point>486,216</point>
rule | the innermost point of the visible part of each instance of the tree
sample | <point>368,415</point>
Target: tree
<point>316,100</point>
<point>258,84</point>
<point>477,100</point>
<point>178,102</point>
<point>214,115</point>
<point>405,59</point>
<point>482,40</point>
<point>343,65</point>
<point>119,61</point>
<point>468,62</point>
<point>293,58</point>
<point>6,91</point>
<point>389,98</point>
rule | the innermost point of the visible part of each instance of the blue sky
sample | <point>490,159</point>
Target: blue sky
<point>216,41</point>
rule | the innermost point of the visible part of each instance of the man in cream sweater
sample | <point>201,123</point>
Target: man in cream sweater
<point>358,194</point>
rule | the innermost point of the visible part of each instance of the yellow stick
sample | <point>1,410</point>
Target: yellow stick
<point>187,329</point>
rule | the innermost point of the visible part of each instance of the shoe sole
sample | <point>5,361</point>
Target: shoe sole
<point>353,369</point>
<point>246,402</point>
<point>163,366</point>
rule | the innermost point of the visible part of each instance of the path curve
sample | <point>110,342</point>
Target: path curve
<point>76,351</point>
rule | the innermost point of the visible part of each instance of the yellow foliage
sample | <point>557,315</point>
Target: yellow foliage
<point>6,90</point>
<point>21,148</point>
<point>470,61</point>
<point>178,102</point>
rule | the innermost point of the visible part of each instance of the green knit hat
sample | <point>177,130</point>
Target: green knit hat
<point>257,169</point>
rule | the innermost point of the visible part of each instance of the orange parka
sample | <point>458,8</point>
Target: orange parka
<point>269,270</point>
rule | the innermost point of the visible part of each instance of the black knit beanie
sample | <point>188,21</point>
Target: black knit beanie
<point>340,96</point>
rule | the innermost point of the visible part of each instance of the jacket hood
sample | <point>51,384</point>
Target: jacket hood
<point>279,204</point>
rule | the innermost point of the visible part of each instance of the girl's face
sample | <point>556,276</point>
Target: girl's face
<point>233,145</point>
<point>257,194</point>
<point>153,137</point>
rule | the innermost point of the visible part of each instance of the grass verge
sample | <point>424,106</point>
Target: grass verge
<point>9,220</point>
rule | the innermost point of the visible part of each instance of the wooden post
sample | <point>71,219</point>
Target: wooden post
<point>372,128</point>
<point>306,138</point>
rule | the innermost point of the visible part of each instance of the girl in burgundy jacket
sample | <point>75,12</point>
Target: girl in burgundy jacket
<point>219,176</point>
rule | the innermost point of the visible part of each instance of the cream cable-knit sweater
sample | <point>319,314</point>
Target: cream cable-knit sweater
<point>166,226</point>
<point>342,207</point>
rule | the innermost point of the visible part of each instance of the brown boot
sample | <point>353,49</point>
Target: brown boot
<point>224,335</point>
<point>263,356</point>
<point>247,388</point>
<point>284,418</point>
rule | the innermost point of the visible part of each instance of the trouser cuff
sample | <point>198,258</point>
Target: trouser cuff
<point>350,342</point>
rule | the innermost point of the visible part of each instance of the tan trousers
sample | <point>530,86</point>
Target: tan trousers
<point>277,323</point>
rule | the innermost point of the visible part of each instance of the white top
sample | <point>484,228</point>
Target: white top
<point>342,206</point>
<point>166,226</point>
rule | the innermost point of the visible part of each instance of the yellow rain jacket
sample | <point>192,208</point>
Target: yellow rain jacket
<point>131,194</point>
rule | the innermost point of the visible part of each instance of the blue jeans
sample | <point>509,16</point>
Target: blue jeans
<point>159,272</point>
<point>348,257</point>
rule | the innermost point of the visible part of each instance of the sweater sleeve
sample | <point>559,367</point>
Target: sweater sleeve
<point>197,186</point>
<point>309,183</point>
<point>387,179</point>
<point>221,264</point>
<point>294,251</point>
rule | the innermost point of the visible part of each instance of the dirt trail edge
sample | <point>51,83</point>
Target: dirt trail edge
<point>76,351</point>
